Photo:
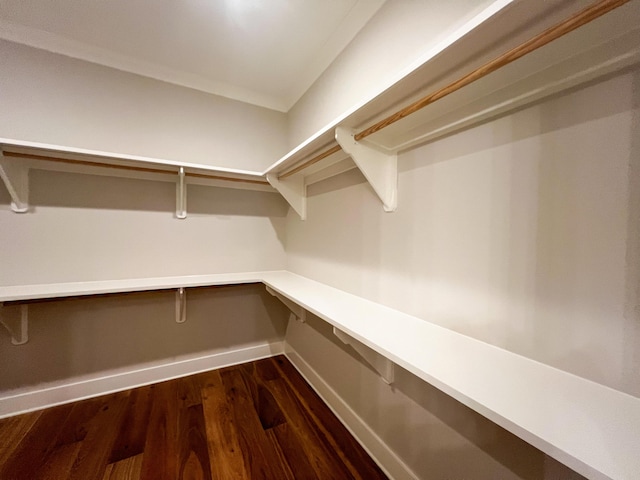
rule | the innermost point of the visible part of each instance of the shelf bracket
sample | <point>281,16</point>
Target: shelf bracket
<point>181,195</point>
<point>15,318</point>
<point>379,168</point>
<point>297,312</point>
<point>294,191</point>
<point>16,178</point>
<point>380,363</point>
<point>181,305</point>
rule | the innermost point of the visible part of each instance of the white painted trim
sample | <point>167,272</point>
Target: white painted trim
<point>390,463</point>
<point>71,152</point>
<point>72,390</point>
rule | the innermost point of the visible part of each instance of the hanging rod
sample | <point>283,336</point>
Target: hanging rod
<point>128,167</point>
<point>577,20</point>
<point>315,159</point>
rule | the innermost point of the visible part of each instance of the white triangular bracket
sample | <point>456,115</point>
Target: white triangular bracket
<point>15,176</point>
<point>294,191</point>
<point>378,167</point>
<point>297,312</point>
<point>380,363</point>
<point>15,318</point>
<point>181,195</point>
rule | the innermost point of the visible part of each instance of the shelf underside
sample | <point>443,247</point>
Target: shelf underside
<point>54,158</point>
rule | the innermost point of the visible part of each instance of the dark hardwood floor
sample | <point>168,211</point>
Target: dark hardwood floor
<point>260,420</point>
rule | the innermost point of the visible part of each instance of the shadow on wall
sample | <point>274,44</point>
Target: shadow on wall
<point>89,337</point>
<point>631,348</point>
<point>5,199</point>
<point>523,233</point>
<point>551,108</point>
<point>449,439</point>
<point>72,190</point>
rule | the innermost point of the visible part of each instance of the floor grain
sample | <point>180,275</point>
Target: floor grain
<point>259,420</point>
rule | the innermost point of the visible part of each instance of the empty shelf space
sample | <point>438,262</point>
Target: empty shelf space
<point>74,289</point>
<point>589,427</point>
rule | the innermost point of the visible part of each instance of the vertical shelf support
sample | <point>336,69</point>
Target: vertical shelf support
<point>181,195</point>
<point>297,312</point>
<point>294,191</point>
<point>380,363</point>
<point>16,178</point>
<point>379,168</point>
<point>15,318</point>
<point>181,305</point>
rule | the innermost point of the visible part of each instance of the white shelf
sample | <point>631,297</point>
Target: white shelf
<point>18,157</point>
<point>74,289</point>
<point>604,46</point>
<point>589,427</point>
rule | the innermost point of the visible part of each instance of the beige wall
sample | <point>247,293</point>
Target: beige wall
<point>393,41</point>
<point>92,337</point>
<point>436,437</point>
<point>522,232</point>
<point>86,227</point>
<point>49,98</point>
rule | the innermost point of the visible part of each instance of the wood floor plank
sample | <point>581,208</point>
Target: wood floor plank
<point>253,441</point>
<point>35,447</point>
<point>314,442</point>
<point>288,444</point>
<point>340,440</point>
<point>189,390</point>
<point>12,431</point>
<point>161,448</point>
<point>264,369</point>
<point>102,429</point>
<point>131,438</point>
<point>254,421</point>
<point>265,405</point>
<point>127,469</point>
<point>77,424</point>
<point>193,462</point>
<point>227,459</point>
<point>60,462</point>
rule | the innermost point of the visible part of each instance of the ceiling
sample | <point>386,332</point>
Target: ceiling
<point>264,52</point>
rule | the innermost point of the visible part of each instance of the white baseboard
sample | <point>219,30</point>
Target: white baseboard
<point>71,390</point>
<point>388,461</point>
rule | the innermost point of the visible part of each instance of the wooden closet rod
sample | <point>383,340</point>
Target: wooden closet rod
<point>129,167</point>
<point>553,33</point>
<point>336,148</point>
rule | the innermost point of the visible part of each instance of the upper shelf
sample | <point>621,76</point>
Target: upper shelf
<point>17,158</point>
<point>604,45</point>
<point>56,157</point>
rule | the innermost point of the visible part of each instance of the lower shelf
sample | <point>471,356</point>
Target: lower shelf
<point>587,426</point>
